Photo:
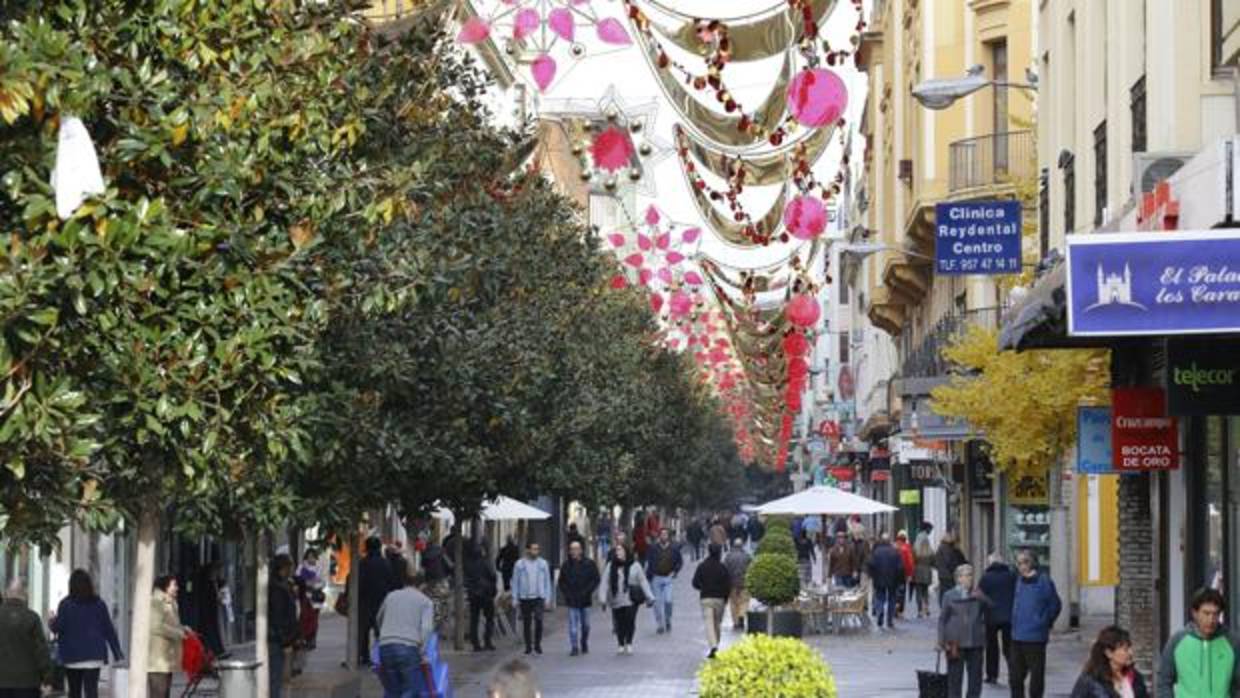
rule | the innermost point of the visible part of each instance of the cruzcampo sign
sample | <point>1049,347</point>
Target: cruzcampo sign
<point>1154,283</point>
<point>1143,436</point>
<point>978,237</point>
<point>1203,376</point>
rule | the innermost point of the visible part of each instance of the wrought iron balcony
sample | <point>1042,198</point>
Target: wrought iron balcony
<point>999,158</point>
<point>927,360</point>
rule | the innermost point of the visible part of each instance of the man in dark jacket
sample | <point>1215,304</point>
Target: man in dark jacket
<point>886,569</point>
<point>23,645</point>
<point>663,563</point>
<point>840,563</point>
<point>999,585</point>
<point>281,620</point>
<point>507,560</point>
<point>714,583</point>
<point>373,586</point>
<point>579,580</point>
<point>480,587</point>
<point>1035,606</point>
<point>946,559</point>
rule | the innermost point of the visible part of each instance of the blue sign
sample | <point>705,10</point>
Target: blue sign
<point>978,237</point>
<point>1154,283</point>
<point>1093,441</point>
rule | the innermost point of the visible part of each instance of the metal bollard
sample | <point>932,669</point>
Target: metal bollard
<point>238,678</point>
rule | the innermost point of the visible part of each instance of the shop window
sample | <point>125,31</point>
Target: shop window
<point>1137,102</point>
<point>1225,33</point>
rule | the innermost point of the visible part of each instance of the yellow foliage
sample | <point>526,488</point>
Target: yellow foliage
<point>1023,403</point>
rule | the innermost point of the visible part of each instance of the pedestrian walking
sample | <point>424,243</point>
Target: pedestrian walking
<point>886,571</point>
<point>166,635</point>
<point>714,584</point>
<point>624,589</point>
<point>756,530</point>
<point>311,598</point>
<point>398,563</point>
<point>805,557</point>
<point>1109,672</point>
<point>923,573</point>
<point>910,566</point>
<point>374,583</point>
<point>438,567</point>
<point>999,585</point>
<point>480,588</point>
<point>737,561</point>
<point>602,533</point>
<point>1035,607</point>
<point>282,628</point>
<point>840,563</point>
<point>719,534</point>
<point>1200,660</point>
<point>84,636</point>
<point>946,559</point>
<point>860,550</point>
<point>506,561</point>
<point>641,540</point>
<point>23,645</point>
<point>406,621</point>
<point>694,536</point>
<point>962,633</point>
<point>531,586</point>
<point>663,565</point>
<point>572,535</point>
<point>513,680</point>
<point>579,579</point>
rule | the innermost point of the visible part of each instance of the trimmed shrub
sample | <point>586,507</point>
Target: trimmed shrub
<point>767,666</point>
<point>773,580</point>
<point>778,544</point>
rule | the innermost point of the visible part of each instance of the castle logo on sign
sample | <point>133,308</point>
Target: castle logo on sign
<point>1114,289</point>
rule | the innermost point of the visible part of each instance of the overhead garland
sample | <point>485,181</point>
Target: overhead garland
<point>533,31</point>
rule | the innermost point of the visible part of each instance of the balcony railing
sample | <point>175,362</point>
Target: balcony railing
<point>927,361</point>
<point>995,159</point>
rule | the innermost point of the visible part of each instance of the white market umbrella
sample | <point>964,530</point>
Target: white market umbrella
<point>499,509</point>
<point>821,499</point>
<point>508,509</point>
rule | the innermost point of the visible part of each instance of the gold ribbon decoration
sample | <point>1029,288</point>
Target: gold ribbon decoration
<point>763,37</point>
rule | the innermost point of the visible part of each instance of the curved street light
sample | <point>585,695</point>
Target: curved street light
<point>941,93</point>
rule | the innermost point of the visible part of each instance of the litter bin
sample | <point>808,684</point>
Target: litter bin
<point>238,678</point>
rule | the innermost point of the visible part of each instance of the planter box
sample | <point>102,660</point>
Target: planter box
<point>788,623</point>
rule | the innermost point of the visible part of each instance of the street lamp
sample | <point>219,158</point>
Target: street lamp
<point>941,93</point>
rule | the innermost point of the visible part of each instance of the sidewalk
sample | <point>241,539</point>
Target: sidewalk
<point>866,663</point>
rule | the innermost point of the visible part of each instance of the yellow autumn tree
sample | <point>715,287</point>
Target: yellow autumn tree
<point>1023,403</point>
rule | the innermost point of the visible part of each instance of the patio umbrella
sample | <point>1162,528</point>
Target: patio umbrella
<point>508,509</point>
<point>821,499</point>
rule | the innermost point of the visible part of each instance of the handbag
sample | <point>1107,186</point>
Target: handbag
<point>932,684</point>
<point>637,595</point>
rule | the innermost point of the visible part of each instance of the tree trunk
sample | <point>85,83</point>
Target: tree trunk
<point>353,589</point>
<point>261,645</point>
<point>770,621</point>
<point>143,581</point>
<point>458,593</point>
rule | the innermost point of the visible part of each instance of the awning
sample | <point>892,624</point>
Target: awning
<point>824,500</point>
<point>1040,319</point>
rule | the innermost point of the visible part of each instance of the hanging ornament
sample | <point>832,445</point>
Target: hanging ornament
<point>805,217</point>
<point>803,310</point>
<point>612,149</point>
<point>817,97</point>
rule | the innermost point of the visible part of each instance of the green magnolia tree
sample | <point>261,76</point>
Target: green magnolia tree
<point>155,344</point>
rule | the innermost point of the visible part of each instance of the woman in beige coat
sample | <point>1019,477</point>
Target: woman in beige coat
<point>164,653</point>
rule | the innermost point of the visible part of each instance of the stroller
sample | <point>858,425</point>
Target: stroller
<point>199,664</point>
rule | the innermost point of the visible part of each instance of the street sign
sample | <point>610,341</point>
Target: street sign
<point>1093,441</point>
<point>979,237</point>
<point>1154,283</point>
<point>1143,437</point>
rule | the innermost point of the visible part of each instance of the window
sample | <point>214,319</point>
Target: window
<point>1044,213</point>
<point>999,64</point>
<point>1225,32</point>
<point>1067,163</point>
<point>1137,99</point>
<point>1100,172</point>
<point>843,347</point>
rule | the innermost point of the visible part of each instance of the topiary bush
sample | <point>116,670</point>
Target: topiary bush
<point>778,544</point>
<point>767,666</point>
<point>773,580</point>
<point>775,523</point>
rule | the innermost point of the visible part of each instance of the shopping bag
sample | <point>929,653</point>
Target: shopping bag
<point>194,657</point>
<point>56,678</point>
<point>932,684</point>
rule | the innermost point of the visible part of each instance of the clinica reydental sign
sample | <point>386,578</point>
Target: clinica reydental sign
<point>1203,376</point>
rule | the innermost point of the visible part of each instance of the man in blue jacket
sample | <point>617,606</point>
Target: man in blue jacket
<point>1035,607</point>
<point>999,585</point>
<point>886,569</point>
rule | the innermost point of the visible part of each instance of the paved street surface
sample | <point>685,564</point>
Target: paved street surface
<point>865,662</point>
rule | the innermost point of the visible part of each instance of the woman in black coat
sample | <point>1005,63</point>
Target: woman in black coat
<point>1109,673</point>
